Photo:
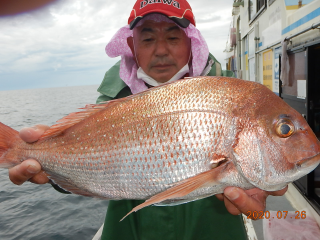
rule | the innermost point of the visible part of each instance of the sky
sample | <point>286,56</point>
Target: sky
<point>63,43</point>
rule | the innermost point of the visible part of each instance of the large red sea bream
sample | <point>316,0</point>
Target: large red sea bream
<point>174,144</point>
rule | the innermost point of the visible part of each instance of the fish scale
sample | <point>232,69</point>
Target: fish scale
<point>194,163</point>
<point>175,143</point>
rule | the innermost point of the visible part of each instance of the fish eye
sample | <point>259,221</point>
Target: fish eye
<point>284,128</point>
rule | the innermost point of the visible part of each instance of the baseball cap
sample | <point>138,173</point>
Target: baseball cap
<point>178,11</point>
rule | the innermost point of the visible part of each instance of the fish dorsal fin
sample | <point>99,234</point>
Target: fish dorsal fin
<point>181,188</point>
<point>74,118</point>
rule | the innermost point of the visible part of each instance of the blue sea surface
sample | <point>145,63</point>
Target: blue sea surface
<point>33,211</point>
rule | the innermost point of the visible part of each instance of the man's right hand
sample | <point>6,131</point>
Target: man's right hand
<point>29,169</point>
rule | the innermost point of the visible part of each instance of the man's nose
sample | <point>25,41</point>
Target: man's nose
<point>161,48</point>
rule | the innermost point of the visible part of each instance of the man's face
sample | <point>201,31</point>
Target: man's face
<point>161,49</point>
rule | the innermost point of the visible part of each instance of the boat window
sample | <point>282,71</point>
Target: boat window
<point>260,4</point>
<point>251,44</point>
<point>252,8</point>
<point>251,56</point>
<point>271,1</point>
<point>313,91</point>
<point>317,183</point>
<point>255,8</point>
<point>239,44</point>
<point>245,58</point>
<point>267,69</point>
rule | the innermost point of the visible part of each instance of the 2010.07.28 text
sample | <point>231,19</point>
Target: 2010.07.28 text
<point>280,215</point>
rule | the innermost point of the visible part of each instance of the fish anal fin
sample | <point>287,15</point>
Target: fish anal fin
<point>181,189</point>
<point>66,185</point>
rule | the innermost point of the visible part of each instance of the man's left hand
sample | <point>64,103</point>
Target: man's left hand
<point>239,201</point>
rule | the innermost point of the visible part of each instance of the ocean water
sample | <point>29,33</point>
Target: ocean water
<point>33,211</point>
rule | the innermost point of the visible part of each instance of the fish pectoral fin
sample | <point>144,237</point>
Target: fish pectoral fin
<point>181,189</point>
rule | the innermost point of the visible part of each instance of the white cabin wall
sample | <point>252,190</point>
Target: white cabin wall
<point>303,13</point>
<point>269,26</point>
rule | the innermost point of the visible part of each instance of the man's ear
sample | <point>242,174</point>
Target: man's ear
<point>130,44</point>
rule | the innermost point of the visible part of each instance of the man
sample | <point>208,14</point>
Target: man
<point>160,44</point>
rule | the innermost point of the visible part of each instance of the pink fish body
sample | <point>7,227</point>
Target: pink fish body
<point>175,143</point>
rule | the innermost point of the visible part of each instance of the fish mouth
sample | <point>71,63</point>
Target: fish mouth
<point>308,162</point>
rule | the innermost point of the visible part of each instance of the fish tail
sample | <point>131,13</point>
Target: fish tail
<point>8,138</point>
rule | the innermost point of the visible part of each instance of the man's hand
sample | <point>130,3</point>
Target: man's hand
<point>239,201</point>
<point>29,169</point>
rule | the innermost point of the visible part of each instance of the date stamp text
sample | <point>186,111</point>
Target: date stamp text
<point>280,215</point>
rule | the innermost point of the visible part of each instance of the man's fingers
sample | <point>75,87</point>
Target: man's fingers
<point>29,169</point>
<point>40,178</point>
<point>220,196</point>
<point>24,171</point>
<point>32,134</point>
<point>279,192</point>
<point>239,201</point>
<point>231,207</point>
<point>245,203</point>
